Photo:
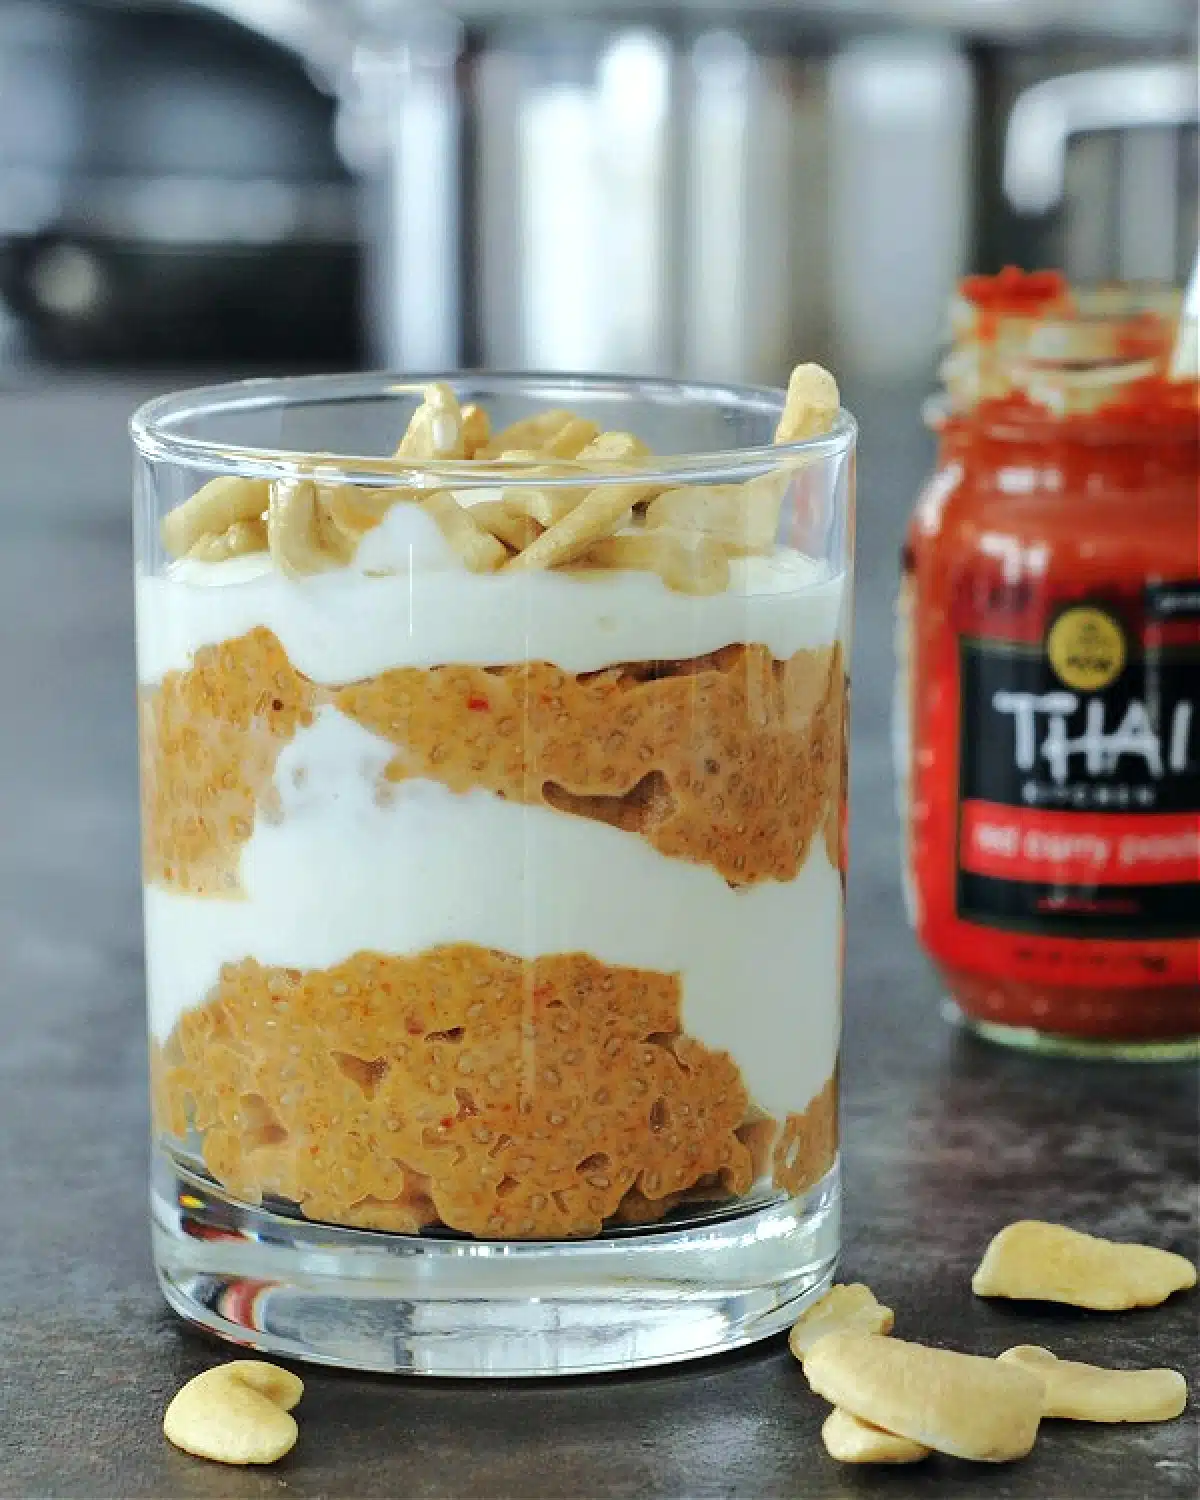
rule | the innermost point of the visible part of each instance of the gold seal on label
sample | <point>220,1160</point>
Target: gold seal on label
<point>1086,647</point>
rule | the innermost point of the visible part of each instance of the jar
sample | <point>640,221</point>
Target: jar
<point>493,865</point>
<point>1048,703</point>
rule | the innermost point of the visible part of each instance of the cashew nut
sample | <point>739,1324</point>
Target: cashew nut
<point>1041,1262</point>
<point>532,432</point>
<point>476,430</point>
<point>852,1441</point>
<point>501,519</point>
<point>1091,1393</point>
<point>843,1309</point>
<point>238,1413</point>
<point>688,565</point>
<point>478,550</point>
<point>959,1404</point>
<point>744,518</point>
<point>435,429</point>
<point>298,540</point>
<point>811,405</point>
<point>212,510</point>
<point>242,538</point>
<point>601,512</point>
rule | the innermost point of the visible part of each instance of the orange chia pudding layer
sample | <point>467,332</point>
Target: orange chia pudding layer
<point>209,740</point>
<point>733,760</point>
<point>501,1097</point>
<point>493,882</point>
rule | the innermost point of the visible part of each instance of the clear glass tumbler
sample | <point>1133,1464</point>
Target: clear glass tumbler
<point>494,798</point>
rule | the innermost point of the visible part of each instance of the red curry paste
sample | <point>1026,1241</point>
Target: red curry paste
<point>1050,670</point>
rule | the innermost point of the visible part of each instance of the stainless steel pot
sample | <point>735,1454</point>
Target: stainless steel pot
<point>1100,168</point>
<point>648,197</point>
<point>712,186</point>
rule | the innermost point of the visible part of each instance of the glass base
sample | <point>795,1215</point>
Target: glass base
<point>444,1305</point>
<point>1060,1044</point>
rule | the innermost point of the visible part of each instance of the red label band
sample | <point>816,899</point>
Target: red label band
<point>1076,848</point>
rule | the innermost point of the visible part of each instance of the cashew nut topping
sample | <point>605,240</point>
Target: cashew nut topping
<point>436,429</point>
<point>311,524</point>
<point>212,510</point>
<point>689,565</point>
<point>478,549</point>
<point>506,523</point>
<point>744,517</point>
<point>811,405</point>
<point>601,512</point>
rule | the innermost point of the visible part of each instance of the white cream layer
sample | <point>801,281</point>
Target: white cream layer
<point>341,872</point>
<point>408,601</point>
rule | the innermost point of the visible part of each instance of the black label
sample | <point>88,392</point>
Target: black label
<point>1030,741</point>
<point>1097,741</point>
<point>1164,912</point>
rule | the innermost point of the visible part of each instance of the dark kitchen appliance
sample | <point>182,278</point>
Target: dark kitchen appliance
<point>170,191</point>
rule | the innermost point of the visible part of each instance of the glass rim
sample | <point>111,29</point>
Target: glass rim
<point>155,437</point>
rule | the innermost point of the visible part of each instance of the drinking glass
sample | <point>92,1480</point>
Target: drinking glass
<point>493,871</point>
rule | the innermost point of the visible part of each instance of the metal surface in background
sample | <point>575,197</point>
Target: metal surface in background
<point>643,198</point>
<point>674,192</point>
<point>309,25</point>
<point>639,205</point>
<point>660,187</point>
<point>1122,205</point>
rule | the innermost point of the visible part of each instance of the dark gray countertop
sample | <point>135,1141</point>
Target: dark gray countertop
<point>945,1138</point>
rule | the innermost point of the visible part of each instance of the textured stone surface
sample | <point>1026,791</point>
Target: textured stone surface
<point>946,1139</point>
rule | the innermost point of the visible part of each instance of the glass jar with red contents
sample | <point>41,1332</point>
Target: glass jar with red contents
<point>1048,702</point>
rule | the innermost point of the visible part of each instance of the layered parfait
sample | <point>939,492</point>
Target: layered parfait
<point>493,835</point>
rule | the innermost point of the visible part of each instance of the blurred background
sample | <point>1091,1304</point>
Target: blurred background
<point>717,189</point>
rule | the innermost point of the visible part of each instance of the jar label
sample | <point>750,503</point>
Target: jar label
<point>1079,781</point>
